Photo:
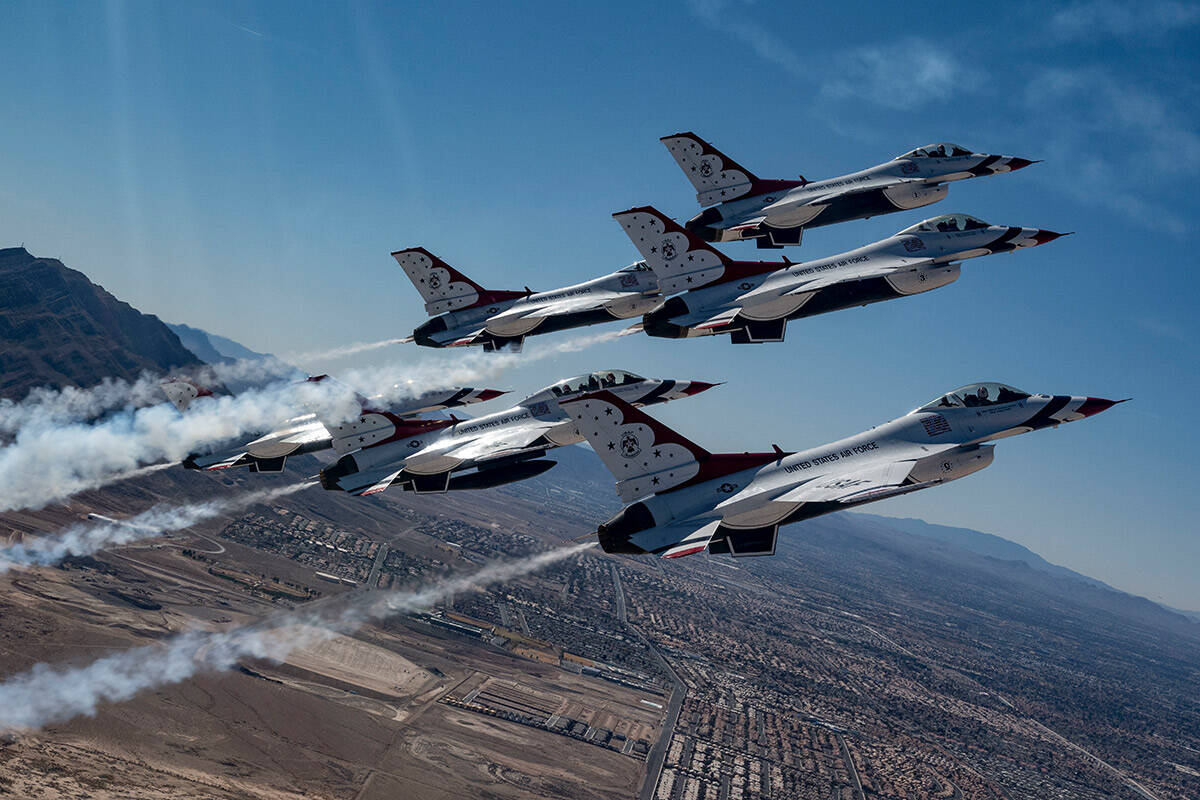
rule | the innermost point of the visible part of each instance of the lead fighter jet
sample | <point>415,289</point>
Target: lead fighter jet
<point>438,455</point>
<point>467,314</point>
<point>306,433</point>
<point>776,212</point>
<point>752,301</point>
<point>689,500</point>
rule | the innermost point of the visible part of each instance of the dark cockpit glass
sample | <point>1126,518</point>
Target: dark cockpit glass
<point>637,266</point>
<point>947,223</point>
<point>940,150</point>
<point>976,395</point>
<point>595,381</point>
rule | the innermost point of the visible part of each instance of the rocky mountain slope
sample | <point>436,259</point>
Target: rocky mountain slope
<point>57,328</point>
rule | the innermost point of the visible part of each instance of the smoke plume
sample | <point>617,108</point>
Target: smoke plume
<point>50,460</point>
<point>46,694</point>
<point>89,537</point>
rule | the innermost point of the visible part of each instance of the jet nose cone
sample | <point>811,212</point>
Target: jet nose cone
<point>1015,163</point>
<point>696,387</point>
<point>1094,405</point>
<point>1043,236</point>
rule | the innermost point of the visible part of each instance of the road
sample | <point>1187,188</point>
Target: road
<point>376,567</point>
<point>658,753</point>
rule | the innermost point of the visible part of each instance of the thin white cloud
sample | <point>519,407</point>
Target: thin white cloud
<point>902,74</point>
<point>1093,19</point>
<point>726,16</point>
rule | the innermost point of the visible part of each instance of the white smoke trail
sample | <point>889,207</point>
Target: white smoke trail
<point>86,538</point>
<point>48,462</point>
<point>47,694</point>
<point>44,406</point>
<point>343,351</point>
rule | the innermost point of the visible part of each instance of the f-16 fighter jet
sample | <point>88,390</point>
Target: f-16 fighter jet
<point>434,455</point>
<point>753,300</point>
<point>468,314</point>
<point>776,212</point>
<point>689,500</point>
<point>306,433</point>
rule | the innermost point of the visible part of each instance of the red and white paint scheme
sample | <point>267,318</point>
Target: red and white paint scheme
<point>306,433</point>
<point>686,500</point>
<point>775,212</point>
<point>752,301</point>
<point>464,313</point>
<point>447,454</point>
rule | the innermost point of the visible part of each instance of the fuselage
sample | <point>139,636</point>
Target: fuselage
<point>903,183</point>
<point>927,447</point>
<point>629,292</point>
<point>914,261</point>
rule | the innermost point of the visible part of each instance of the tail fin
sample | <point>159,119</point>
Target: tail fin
<point>680,259</point>
<point>644,455</point>
<point>443,287</point>
<point>182,392</point>
<point>716,176</point>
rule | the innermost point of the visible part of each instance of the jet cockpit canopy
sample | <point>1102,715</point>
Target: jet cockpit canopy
<point>976,395</point>
<point>940,150</point>
<point>591,382</point>
<point>946,223</point>
<point>637,266</point>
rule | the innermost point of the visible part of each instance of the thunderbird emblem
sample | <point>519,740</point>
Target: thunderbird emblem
<point>630,446</point>
<point>434,281</point>
<point>668,250</point>
<point>706,169</point>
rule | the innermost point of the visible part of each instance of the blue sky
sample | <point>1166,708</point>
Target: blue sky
<point>247,168</point>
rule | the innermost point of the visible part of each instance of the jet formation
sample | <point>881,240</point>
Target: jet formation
<point>680,498</point>
<point>749,300</point>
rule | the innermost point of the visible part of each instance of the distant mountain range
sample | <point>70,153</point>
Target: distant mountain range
<point>211,348</point>
<point>57,328</point>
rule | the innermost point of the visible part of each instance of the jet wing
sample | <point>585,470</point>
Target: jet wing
<point>565,306</point>
<point>871,482</point>
<point>862,188</point>
<point>876,269</point>
<point>488,446</point>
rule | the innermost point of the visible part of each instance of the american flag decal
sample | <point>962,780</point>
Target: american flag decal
<point>936,424</point>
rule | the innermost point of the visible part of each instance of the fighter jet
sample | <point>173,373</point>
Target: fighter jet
<point>752,301</point>
<point>468,314</point>
<point>685,499</point>
<point>306,433</point>
<point>776,212</point>
<point>434,455</point>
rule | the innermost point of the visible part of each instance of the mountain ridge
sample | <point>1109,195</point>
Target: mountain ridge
<point>58,328</point>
